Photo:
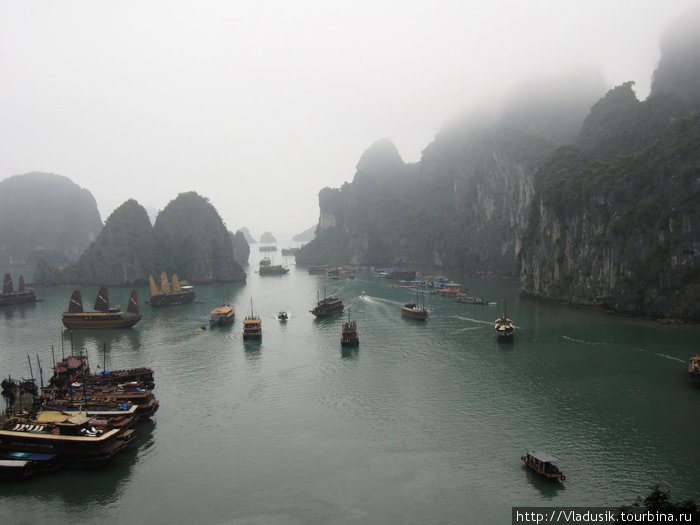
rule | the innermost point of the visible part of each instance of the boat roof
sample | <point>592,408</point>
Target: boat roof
<point>222,309</point>
<point>545,457</point>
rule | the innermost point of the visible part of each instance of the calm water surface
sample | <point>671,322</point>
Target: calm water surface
<point>424,423</point>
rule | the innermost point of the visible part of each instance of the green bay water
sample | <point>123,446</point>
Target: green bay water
<point>423,423</point>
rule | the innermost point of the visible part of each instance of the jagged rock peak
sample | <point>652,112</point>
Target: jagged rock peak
<point>379,158</point>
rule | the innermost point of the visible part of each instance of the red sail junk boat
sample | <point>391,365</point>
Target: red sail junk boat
<point>104,316</point>
<point>22,295</point>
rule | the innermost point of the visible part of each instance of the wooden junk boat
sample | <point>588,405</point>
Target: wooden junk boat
<point>10,296</point>
<point>169,295</point>
<point>543,464</point>
<point>504,326</point>
<point>252,325</point>
<point>104,316</point>
<point>328,306</point>
<point>413,310</point>
<point>222,315</point>
<point>349,334</point>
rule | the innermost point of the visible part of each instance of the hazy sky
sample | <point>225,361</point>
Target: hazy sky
<point>258,105</point>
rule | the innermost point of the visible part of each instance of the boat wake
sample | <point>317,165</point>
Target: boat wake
<point>672,358</point>
<point>480,321</point>
<point>590,343</point>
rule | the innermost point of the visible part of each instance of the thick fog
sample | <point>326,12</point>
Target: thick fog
<point>259,105</point>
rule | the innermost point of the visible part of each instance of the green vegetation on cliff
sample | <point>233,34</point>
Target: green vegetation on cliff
<point>189,238</point>
<point>192,241</point>
<point>124,252</point>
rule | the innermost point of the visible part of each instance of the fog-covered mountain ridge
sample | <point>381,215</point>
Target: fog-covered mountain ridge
<point>602,212</point>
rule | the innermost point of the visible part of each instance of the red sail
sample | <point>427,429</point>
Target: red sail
<point>7,287</point>
<point>76,302</point>
<point>133,307</point>
<point>102,300</point>
<point>21,283</point>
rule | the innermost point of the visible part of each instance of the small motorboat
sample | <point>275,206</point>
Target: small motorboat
<point>282,316</point>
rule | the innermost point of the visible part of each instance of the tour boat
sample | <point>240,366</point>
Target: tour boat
<point>414,311</point>
<point>103,316</point>
<point>349,334</point>
<point>10,296</point>
<point>169,295</point>
<point>504,326</point>
<point>224,314</point>
<point>694,368</point>
<point>252,325</point>
<point>544,464</point>
<point>328,306</point>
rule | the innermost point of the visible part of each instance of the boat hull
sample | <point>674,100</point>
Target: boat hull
<point>95,320</point>
<point>411,311</point>
<point>17,298</point>
<point>172,299</point>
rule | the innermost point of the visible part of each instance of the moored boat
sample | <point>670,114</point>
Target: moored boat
<point>22,465</point>
<point>222,315</point>
<point>103,316</point>
<point>544,464</point>
<point>74,443</point>
<point>252,325</point>
<point>169,295</point>
<point>10,296</point>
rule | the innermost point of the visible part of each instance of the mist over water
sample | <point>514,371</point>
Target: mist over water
<point>423,423</point>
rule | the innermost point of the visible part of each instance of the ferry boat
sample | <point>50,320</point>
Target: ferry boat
<point>328,306</point>
<point>544,464</point>
<point>222,315</point>
<point>169,295</point>
<point>103,316</point>
<point>252,325</point>
<point>10,296</point>
<point>349,334</point>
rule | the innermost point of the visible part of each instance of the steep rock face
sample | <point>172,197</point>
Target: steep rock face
<point>621,232</point>
<point>45,216</point>
<point>123,253</point>
<point>193,242</point>
<point>241,248</point>
<point>465,205</point>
